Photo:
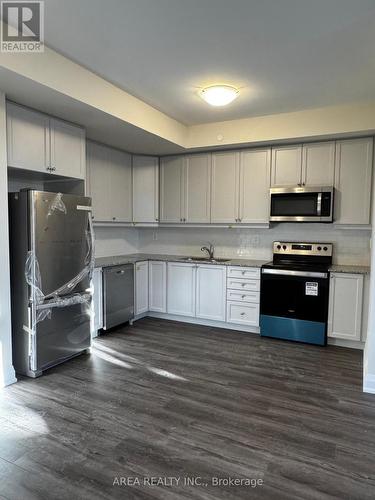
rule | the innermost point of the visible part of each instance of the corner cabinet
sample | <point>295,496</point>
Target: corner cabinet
<point>353,181</point>
<point>157,285</point>
<point>345,306</point>
<point>38,142</point>
<point>145,189</point>
<point>141,287</point>
<point>109,183</point>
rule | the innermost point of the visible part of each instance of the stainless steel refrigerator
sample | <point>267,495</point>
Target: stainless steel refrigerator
<point>51,257</point>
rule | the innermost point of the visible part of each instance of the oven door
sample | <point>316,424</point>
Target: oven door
<point>294,305</point>
<point>301,204</point>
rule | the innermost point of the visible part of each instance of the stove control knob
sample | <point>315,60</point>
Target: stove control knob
<point>325,249</point>
<point>284,247</point>
<point>278,247</point>
<point>319,249</point>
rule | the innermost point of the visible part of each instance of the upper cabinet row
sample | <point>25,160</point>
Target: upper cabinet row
<point>38,142</point>
<point>123,188</point>
<point>233,187</point>
<point>222,188</point>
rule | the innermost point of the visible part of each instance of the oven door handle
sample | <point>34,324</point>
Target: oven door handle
<point>285,272</point>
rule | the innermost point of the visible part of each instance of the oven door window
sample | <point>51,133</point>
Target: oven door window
<point>295,297</point>
<point>292,204</point>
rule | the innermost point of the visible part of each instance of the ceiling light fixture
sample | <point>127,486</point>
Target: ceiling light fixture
<point>219,95</point>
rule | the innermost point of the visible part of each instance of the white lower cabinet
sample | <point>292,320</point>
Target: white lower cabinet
<point>97,305</point>
<point>345,306</point>
<point>181,280</point>
<point>157,286</point>
<point>243,314</point>
<point>210,292</point>
<point>243,296</point>
<point>141,287</point>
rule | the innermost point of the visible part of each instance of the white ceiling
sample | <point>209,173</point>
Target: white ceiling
<point>285,55</point>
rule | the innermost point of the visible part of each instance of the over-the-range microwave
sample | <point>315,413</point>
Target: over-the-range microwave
<point>302,204</point>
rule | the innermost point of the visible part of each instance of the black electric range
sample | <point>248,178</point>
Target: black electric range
<point>294,292</point>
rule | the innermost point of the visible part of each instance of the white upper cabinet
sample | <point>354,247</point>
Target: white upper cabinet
<point>318,164</point>
<point>145,189</point>
<point>119,170</point>
<point>68,149</point>
<point>345,306</point>
<point>171,175</point>
<point>286,166</point>
<point>353,175</point>
<point>158,286</point>
<point>181,288</point>
<point>254,185</point>
<point>225,187</point>
<point>197,188</point>
<point>98,183</point>
<point>38,142</point>
<point>109,177</point>
<point>28,138</point>
<point>211,292</point>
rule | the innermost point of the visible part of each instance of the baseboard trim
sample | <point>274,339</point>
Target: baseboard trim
<point>351,344</point>
<point>199,321</point>
<point>369,384</point>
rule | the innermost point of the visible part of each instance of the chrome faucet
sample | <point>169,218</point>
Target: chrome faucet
<point>210,251</point>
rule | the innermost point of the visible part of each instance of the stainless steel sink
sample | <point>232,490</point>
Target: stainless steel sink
<point>206,259</point>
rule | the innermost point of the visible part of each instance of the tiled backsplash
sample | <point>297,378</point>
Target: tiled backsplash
<point>115,241</point>
<point>350,246</point>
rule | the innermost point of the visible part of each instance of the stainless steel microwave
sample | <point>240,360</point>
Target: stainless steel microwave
<point>302,204</point>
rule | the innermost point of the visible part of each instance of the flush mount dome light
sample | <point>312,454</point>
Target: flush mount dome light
<point>219,95</point>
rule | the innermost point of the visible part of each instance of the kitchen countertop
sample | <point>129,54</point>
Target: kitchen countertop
<point>118,260</point>
<point>338,268</point>
<point>137,257</point>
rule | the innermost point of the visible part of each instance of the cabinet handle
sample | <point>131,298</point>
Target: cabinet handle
<point>92,217</point>
<point>53,169</point>
<point>243,296</point>
<point>156,218</point>
<point>243,284</point>
<point>113,218</point>
<point>242,314</point>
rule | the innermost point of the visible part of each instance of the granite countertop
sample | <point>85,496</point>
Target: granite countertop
<point>118,260</point>
<point>338,268</point>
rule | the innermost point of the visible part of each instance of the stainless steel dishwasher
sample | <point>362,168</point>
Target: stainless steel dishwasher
<point>118,296</point>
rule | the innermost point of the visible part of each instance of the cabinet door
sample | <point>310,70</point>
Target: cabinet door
<point>181,288</point>
<point>98,181</point>
<point>286,166</point>
<point>120,192</point>
<point>318,164</point>
<point>97,317</point>
<point>28,138</point>
<point>67,149</point>
<point>211,292</point>
<point>141,287</point>
<point>157,286</point>
<point>225,187</point>
<point>197,188</point>
<point>345,306</point>
<point>255,169</point>
<point>353,175</point>
<point>145,189</point>
<point>171,172</point>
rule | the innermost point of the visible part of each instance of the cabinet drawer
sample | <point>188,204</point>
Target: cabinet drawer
<point>243,314</point>
<point>238,296</point>
<point>248,285</point>
<point>244,272</point>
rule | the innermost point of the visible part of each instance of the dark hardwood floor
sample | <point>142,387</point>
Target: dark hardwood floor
<point>171,400</point>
